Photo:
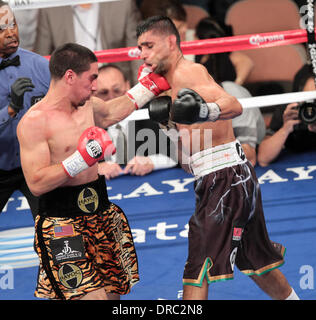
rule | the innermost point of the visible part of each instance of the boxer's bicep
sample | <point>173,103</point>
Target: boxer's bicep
<point>34,149</point>
<point>198,79</point>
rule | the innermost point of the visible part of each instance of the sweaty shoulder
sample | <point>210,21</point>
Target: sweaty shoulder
<point>189,68</point>
<point>33,121</point>
<point>190,75</point>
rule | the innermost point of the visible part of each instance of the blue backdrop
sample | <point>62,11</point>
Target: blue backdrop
<point>158,207</point>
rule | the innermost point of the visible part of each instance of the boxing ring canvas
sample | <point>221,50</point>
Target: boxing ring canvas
<point>158,207</point>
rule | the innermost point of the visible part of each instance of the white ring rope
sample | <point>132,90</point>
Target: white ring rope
<point>252,102</point>
<point>277,99</point>
<point>38,4</point>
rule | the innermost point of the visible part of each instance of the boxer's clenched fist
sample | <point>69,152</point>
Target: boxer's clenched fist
<point>150,85</point>
<point>93,145</point>
<point>159,108</point>
<point>190,107</point>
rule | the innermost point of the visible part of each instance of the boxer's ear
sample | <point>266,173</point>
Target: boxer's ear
<point>69,76</point>
<point>172,41</point>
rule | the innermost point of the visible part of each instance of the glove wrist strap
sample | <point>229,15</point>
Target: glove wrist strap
<point>74,164</point>
<point>214,111</point>
<point>140,95</point>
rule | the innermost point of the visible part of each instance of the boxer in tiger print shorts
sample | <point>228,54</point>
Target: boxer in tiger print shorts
<point>84,243</point>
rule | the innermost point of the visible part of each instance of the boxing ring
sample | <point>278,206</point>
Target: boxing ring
<point>159,205</point>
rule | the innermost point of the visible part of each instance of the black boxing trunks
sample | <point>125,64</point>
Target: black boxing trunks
<point>228,227</point>
<point>84,243</point>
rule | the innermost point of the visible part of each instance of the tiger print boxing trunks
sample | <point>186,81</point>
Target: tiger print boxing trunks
<point>84,243</point>
<point>228,227</point>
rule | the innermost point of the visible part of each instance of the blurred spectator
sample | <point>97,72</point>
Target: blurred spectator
<point>170,8</point>
<point>194,10</point>
<point>98,26</point>
<point>111,84</point>
<point>27,22</point>
<point>218,8</point>
<point>249,127</point>
<point>286,130</point>
<point>227,66</point>
<point>203,4</point>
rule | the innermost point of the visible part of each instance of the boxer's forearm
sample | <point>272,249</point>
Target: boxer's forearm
<point>271,147</point>
<point>46,179</point>
<point>112,111</point>
<point>230,107</point>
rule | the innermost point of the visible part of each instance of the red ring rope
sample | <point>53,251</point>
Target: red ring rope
<point>226,44</point>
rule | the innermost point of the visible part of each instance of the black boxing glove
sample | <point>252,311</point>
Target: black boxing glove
<point>190,107</point>
<point>158,109</point>
<point>18,88</point>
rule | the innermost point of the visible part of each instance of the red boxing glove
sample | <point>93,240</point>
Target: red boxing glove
<point>93,145</point>
<point>150,85</point>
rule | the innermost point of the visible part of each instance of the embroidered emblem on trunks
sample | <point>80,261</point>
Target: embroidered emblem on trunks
<point>240,151</point>
<point>67,249</point>
<point>88,200</point>
<point>237,233</point>
<point>64,231</point>
<point>70,276</point>
<point>232,258</point>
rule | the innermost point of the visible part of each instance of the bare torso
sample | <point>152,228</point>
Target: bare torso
<point>199,136</point>
<point>62,129</point>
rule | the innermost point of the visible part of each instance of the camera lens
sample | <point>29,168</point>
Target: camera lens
<point>307,113</point>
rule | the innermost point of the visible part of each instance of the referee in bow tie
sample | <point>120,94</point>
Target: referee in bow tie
<point>24,80</point>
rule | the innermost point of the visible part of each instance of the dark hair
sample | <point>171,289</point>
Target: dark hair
<point>175,10</point>
<point>301,77</point>
<point>208,28</point>
<point>70,56</point>
<point>2,3</point>
<point>171,8</point>
<point>159,24</point>
<point>219,65</point>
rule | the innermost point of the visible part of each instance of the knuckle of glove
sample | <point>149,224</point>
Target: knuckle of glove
<point>159,109</point>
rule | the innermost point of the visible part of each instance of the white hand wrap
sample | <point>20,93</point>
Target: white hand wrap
<point>74,164</point>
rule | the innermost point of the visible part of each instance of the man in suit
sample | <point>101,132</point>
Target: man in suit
<point>112,83</point>
<point>98,26</point>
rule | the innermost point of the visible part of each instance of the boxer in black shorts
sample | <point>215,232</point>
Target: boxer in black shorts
<point>84,243</point>
<point>228,225</point>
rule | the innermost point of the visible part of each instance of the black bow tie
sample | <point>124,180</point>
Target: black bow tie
<point>13,62</point>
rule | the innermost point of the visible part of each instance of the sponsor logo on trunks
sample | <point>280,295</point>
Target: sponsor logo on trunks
<point>70,275</point>
<point>94,149</point>
<point>240,151</point>
<point>237,232</point>
<point>88,200</point>
<point>233,258</point>
<point>67,249</point>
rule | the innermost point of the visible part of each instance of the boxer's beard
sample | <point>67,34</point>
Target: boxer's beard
<point>161,68</point>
